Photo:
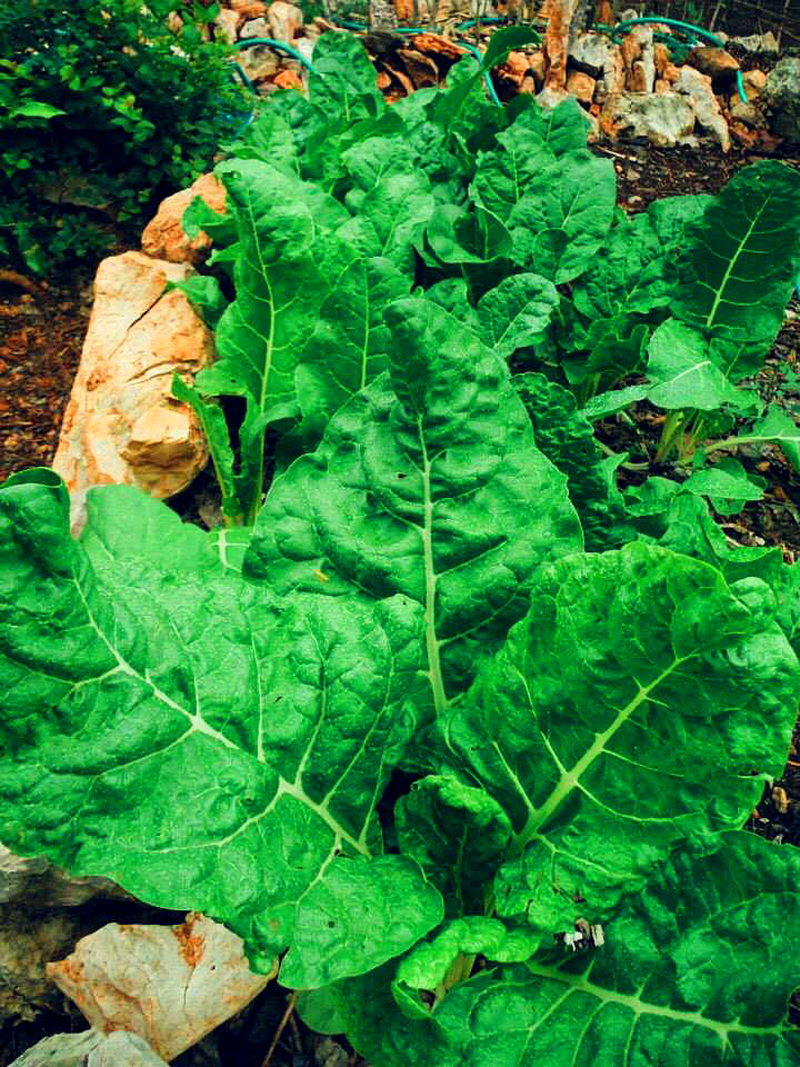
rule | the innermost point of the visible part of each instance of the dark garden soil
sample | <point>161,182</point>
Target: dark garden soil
<point>41,334</point>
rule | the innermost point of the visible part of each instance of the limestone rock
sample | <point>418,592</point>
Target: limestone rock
<point>171,985</point>
<point>758,43</point>
<point>227,23</point>
<point>664,119</point>
<point>256,27</point>
<point>36,883</point>
<point>284,21</point>
<point>137,339</point>
<point>163,237</point>
<point>781,95</point>
<point>596,55</point>
<point>697,87</point>
<point>28,940</point>
<point>581,86</point>
<point>103,1050</point>
<point>748,114</point>
<point>718,64</point>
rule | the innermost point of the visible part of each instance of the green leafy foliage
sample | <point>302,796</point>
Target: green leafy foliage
<point>442,716</point>
<point>103,109</point>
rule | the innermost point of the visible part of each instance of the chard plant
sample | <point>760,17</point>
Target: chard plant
<point>456,728</point>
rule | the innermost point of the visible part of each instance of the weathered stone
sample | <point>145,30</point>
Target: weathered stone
<point>663,119</point>
<point>754,82</point>
<point>596,55</point>
<point>581,86</point>
<point>781,95</point>
<point>284,21</point>
<point>514,69</point>
<point>259,62</point>
<point>661,57</point>
<point>164,237</point>
<point>256,27</point>
<point>697,87</point>
<point>36,883</point>
<point>137,339</point>
<point>718,64</point>
<point>758,43</point>
<point>103,1050</point>
<point>171,985</point>
<point>28,940</point>
<point>227,23</point>
<point>748,114</point>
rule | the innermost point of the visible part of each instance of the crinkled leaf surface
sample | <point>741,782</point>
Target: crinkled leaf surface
<point>636,685</point>
<point>693,971</point>
<point>517,313</point>
<point>186,735</point>
<point>361,914</point>
<point>738,267</point>
<point>457,833</point>
<point>564,215</point>
<point>627,274</point>
<point>427,482</point>
<point>349,342</point>
<point>567,438</point>
<point>390,194</point>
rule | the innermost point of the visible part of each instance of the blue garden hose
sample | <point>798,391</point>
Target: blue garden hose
<point>623,27</point>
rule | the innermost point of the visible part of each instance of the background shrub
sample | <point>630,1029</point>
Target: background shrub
<point>105,106</point>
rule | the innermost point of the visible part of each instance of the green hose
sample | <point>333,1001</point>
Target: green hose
<point>623,27</point>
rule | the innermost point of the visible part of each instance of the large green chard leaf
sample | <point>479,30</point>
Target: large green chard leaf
<point>348,344</point>
<point>738,266</point>
<point>693,971</point>
<point>344,84</point>
<point>188,736</point>
<point>684,375</point>
<point>279,287</point>
<point>517,313</point>
<point>627,274</point>
<point>610,720</point>
<point>564,215</point>
<point>390,194</point>
<point>567,438</point>
<point>427,482</point>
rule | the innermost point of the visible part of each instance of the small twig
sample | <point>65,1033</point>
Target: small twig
<point>616,155</point>
<point>13,277</point>
<point>281,1027</point>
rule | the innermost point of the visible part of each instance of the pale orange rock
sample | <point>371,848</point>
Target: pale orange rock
<point>671,73</point>
<point>138,337</point>
<point>661,57</point>
<point>288,79</point>
<point>754,82</point>
<point>630,49</point>
<point>604,13</point>
<point>581,86</point>
<point>516,66</point>
<point>433,43</point>
<point>662,86</point>
<point>164,237</point>
<point>637,78</point>
<point>537,64</point>
<point>249,9</point>
<point>404,9</point>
